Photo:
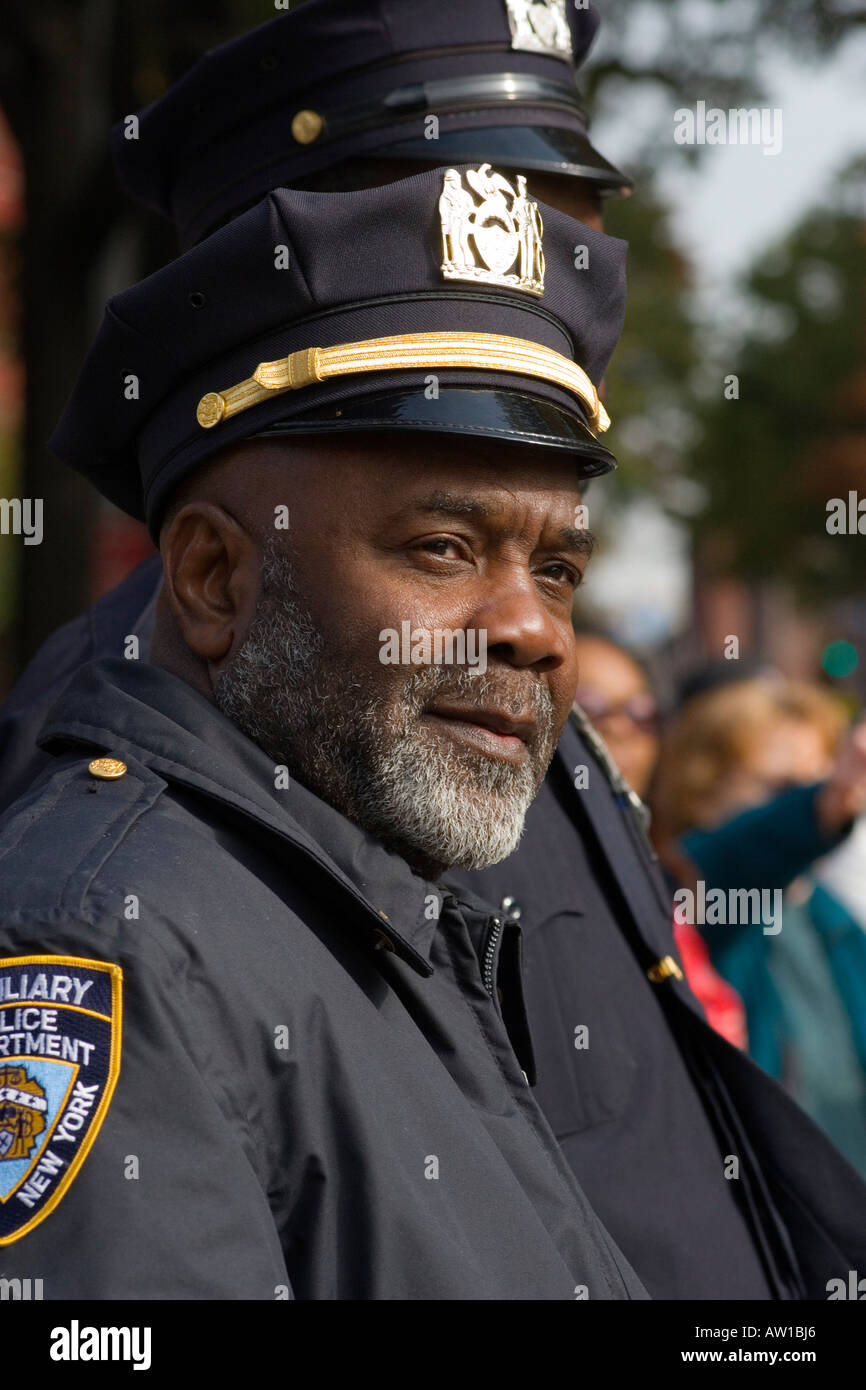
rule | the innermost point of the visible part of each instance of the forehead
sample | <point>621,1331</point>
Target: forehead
<point>577,198</point>
<point>361,479</point>
<point>420,467</point>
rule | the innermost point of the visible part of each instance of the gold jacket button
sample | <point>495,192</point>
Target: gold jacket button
<point>664,969</point>
<point>307,126</point>
<point>106,769</point>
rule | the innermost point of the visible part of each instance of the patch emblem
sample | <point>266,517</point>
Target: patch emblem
<point>496,240</point>
<point>541,26</point>
<point>60,1022</point>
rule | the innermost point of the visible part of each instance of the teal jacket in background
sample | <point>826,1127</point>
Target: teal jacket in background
<point>845,943</point>
<point>804,988</point>
<point>767,846</point>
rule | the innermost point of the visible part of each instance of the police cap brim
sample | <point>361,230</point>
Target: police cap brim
<point>514,417</point>
<point>554,149</point>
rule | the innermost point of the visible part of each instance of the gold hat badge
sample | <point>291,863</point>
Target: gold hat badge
<point>540,26</point>
<point>496,241</point>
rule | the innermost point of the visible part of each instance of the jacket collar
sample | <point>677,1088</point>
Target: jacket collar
<point>142,713</point>
<point>628,856</point>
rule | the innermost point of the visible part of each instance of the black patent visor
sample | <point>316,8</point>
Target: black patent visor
<point>514,417</point>
<point>563,151</point>
<point>521,147</point>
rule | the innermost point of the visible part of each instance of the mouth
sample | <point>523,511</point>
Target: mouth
<point>488,730</point>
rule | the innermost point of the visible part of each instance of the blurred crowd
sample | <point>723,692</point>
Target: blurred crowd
<point>757,787</point>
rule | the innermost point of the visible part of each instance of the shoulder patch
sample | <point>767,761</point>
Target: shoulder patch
<point>60,1020</point>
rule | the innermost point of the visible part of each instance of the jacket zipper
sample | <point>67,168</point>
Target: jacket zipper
<point>497,927</point>
<point>490,954</point>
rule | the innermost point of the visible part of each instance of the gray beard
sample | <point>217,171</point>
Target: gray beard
<point>437,803</point>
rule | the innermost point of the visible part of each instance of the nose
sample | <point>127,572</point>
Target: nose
<point>523,627</point>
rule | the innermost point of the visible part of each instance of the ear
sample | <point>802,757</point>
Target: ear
<point>211,572</point>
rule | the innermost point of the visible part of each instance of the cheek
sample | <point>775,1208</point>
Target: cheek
<point>562,684</point>
<point>362,613</point>
<point>378,593</point>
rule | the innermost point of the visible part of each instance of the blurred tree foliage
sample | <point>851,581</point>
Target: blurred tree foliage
<point>652,414</point>
<point>796,437</point>
<point>714,49</point>
<point>68,70</point>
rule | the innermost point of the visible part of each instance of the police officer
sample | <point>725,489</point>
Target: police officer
<point>625,1060</point>
<point>335,94</point>
<point>226,958</point>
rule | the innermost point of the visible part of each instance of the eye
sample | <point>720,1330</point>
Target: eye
<point>438,545</point>
<point>444,547</point>
<point>561,573</point>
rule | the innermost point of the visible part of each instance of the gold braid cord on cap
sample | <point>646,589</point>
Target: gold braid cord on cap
<point>484,351</point>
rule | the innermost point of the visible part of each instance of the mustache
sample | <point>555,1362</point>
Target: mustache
<point>512,691</point>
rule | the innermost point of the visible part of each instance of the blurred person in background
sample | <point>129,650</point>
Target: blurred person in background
<point>843,872</point>
<point>615,693</point>
<point>780,746</point>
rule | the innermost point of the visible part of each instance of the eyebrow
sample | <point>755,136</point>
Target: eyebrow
<point>581,541</point>
<point>472,508</point>
<point>446,504</point>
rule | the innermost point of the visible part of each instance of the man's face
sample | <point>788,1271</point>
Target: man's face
<point>391,540</point>
<point>576,197</point>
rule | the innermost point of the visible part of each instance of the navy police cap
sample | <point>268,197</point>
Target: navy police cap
<point>445,81</point>
<point>446,302</point>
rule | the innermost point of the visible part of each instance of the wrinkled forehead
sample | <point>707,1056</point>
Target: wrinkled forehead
<point>481,479</point>
<point>366,484</point>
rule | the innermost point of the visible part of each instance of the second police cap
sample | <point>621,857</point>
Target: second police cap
<point>446,302</point>
<point>443,81</point>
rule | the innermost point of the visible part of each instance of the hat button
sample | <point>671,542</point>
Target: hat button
<point>307,126</point>
<point>106,769</point>
<point>210,410</point>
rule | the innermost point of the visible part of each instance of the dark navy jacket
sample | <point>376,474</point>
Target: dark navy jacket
<point>321,1089</point>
